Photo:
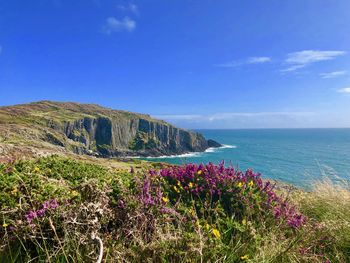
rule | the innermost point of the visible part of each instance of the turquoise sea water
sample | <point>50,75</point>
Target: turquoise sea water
<point>296,156</point>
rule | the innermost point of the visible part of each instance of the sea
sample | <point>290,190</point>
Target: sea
<point>294,156</point>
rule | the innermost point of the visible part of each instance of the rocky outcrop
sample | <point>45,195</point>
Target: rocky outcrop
<point>91,129</point>
<point>109,137</point>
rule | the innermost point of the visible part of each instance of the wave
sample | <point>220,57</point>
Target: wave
<point>183,155</point>
<point>188,155</point>
<point>228,146</point>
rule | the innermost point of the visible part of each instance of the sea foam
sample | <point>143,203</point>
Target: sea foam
<point>190,154</point>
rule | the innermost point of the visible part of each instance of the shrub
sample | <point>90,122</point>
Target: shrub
<point>58,209</point>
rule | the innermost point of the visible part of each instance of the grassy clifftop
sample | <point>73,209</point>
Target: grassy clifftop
<point>42,111</point>
<point>57,209</point>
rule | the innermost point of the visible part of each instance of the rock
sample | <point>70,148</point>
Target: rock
<point>215,144</point>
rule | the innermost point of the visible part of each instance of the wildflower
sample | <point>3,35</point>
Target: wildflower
<point>46,205</point>
<point>199,172</point>
<point>165,199</point>
<point>198,225</point>
<point>216,233</point>
<point>207,226</point>
<point>53,204</point>
<point>14,191</point>
<point>5,225</point>
<point>178,183</point>
<point>176,189</point>
<point>41,212</point>
<point>121,204</point>
<point>245,257</point>
<point>192,212</point>
<point>36,169</point>
<point>190,185</point>
<point>240,185</point>
<point>251,183</point>
<point>244,222</point>
<point>74,193</point>
<point>30,216</point>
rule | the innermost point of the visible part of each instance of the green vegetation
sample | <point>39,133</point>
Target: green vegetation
<point>142,141</point>
<point>58,209</point>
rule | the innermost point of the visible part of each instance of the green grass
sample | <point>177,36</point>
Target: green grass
<point>104,202</point>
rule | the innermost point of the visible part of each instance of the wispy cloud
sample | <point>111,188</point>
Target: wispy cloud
<point>250,60</point>
<point>301,59</point>
<point>230,116</point>
<point>114,25</point>
<point>333,74</point>
<point>258,60</point>
<point>179,116</point>
<point>292,68</point>
<point>129,8</point>
<point>344,90</point>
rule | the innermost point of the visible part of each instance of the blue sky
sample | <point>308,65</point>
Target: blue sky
<point>197,64</point>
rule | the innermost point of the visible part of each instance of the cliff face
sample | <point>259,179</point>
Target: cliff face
<point>91,129</point>
<point>132,137</point>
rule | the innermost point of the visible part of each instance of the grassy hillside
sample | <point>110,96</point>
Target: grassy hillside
<point>58,209</point>
<point>90,129</point>
<point>27,124</point>
<point>39,112</point>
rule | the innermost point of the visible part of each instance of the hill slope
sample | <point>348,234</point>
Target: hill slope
<point>95,130</point>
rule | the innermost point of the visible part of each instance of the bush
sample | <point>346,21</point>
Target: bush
<point>58,209</point>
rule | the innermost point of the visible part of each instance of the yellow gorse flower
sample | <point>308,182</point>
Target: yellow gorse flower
<point>165,199</point>
<point>36,169</point>
<point>74,193</point>
<point>216,233</point>
<point>240,185</point>
<point>192,212</point>
<point>244,222</point>
<point>5,225</point>
<point>176,189</point>
<point>207,226</point>
<point>245,257</point>
<point>251,183</point>
<point>199,172</point>
<point>14,191</point>
<point>190,185</point>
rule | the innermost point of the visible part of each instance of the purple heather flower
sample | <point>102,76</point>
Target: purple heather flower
<point>218,181</point>
<point>121,204</point>
<point>41,212</point>
<point>53,204</point>
<point>30,216</point>
<point>46,205</point>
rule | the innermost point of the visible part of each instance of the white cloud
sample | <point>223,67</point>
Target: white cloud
<point>231,115</point>
<point>250,60</point>
<point>179,116</point>
<point>303,58</point>
<point>334,74</point>
<point>292,68</point>
<point>345,90</point>
<point>257,60</point>
<point>129,8</point>
<point>115,25</point>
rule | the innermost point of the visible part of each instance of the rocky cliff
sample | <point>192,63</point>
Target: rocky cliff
<point>92,129</point>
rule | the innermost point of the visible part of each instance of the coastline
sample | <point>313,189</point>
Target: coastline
<point>184,155</point>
